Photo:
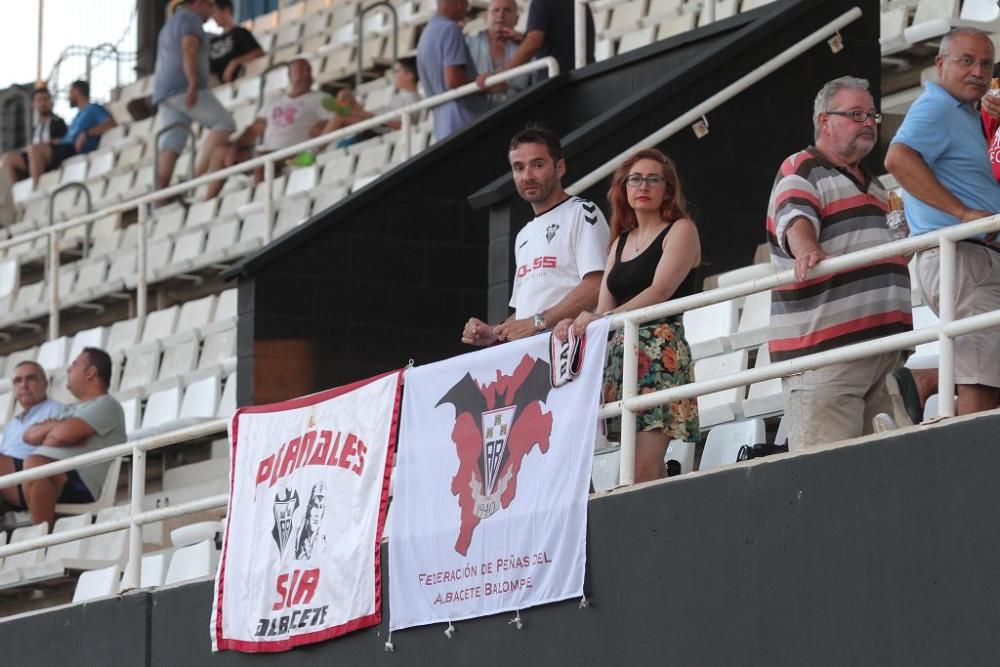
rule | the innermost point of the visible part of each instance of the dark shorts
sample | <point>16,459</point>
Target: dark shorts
<point>75,490</point>
<point>61,152</point>
<point>18,467</point>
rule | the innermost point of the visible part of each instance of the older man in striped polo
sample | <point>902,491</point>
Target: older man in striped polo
<point>824,203</point>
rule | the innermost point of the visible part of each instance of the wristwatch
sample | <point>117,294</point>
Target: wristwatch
<point>540,324</point>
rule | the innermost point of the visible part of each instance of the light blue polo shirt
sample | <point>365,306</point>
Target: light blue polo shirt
<point>949,136</point>
<point>13,443</point>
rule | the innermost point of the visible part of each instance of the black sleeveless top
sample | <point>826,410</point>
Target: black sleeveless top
<point>627,279</point>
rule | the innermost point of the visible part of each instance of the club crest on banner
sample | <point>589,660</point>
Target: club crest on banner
<point>496,424</point>
<point>494,465</point>
<point>284,512</point>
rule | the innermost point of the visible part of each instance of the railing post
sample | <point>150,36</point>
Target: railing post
<point>268,199</point>
<point>133,570</point>
<point>406,126</point>
<point>53,269</point>
<point>630,383</point>
<point>580,33</point>
<point>707,12</point>
<point>946,314</point>
<point>142,281</point>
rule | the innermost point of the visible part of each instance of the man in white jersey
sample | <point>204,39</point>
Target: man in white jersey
<point>283,121</point>
<point>560,254</point>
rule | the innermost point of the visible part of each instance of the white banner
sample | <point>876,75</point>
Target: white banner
<point>490,506</point>
<point>308,494</point>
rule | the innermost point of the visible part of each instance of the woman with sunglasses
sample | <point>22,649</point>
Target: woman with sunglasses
<point>655,250</point>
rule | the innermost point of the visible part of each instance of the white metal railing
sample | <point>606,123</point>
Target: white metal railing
<point>718,99</point>
<point>945,332</point>
<point>137,517</point>
<point>404,114</point>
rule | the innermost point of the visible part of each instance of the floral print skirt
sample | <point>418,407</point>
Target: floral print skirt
<point>664,361</point>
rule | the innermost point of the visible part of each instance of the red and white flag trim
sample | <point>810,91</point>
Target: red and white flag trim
<point>309,487</point>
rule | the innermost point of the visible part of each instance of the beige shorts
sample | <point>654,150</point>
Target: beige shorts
<point>837,402</point>
<point>977,290</point>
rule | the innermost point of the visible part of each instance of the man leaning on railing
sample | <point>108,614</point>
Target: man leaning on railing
<point>97,421</point>
<point>825,203</point>
<point>939,156</point>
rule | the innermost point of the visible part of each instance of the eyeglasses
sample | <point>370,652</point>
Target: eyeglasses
<point>652,180</point>
<point>969,61</point>
<point>857,116</point>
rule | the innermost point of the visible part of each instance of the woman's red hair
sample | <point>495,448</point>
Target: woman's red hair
<point>622,215</point>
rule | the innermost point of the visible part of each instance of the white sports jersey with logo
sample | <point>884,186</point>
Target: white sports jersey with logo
<point>289,119</point>
<point>554,252</point>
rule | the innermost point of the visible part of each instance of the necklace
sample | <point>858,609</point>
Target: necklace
<point>639,243</point>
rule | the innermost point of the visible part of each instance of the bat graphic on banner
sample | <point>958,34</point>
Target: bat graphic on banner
<point>496,424</point>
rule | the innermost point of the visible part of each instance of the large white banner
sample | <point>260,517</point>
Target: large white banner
<point>492,475</point>
<point>308,494</point>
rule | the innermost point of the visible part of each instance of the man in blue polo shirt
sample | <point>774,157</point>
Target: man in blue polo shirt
<point>939,156</point>
<point>91,121</point>
<point>30,388</point>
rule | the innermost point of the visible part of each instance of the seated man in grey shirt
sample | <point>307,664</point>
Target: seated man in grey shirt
<point>97,421</point>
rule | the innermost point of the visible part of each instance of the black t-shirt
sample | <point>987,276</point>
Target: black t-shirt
<point>225,47</point>
<point>555,19</point>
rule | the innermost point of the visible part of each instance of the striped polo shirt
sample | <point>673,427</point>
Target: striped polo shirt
<point>825,312</point>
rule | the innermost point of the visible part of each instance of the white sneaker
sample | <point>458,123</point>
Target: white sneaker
<point>883,422</point>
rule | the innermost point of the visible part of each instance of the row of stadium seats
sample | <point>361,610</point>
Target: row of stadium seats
<point>99,560</point>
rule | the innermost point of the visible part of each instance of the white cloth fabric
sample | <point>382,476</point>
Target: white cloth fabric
<point>289,119</point>
<point>554,252</point>
<point>308,495</point>
<point>490,508</point>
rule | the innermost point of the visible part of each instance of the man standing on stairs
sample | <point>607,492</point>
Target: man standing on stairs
<point>560,254</point>
<point>180,88</point>
<point>30,388</point>
<point>95,422</point>
<point>823,204</point>
<point>444,63</point>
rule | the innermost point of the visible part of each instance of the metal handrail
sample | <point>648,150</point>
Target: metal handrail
<point>360,14</point>
<point>137,517</point>
<point>718,99</point>
<point>52,262</point>
<point>946,330</point>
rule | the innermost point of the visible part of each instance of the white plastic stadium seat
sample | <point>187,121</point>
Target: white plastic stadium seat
<point>10,573</point>
<point>726,405</point>
<point>192,562</point>
<point>707,330</point>
<point>97,584</point>
<point>683,453</point>
<point>926,354</point>
<point>765,397</point>
<point>105,499</point>
<point>60,557</point>
<point>754,321</point>
<point>52,353</point>
<point>604,475</point>
<point>724,441</point>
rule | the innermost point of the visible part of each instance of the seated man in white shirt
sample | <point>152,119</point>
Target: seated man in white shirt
<point>30,388</point>
<point>283,121</point>
<point>560,254</point>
